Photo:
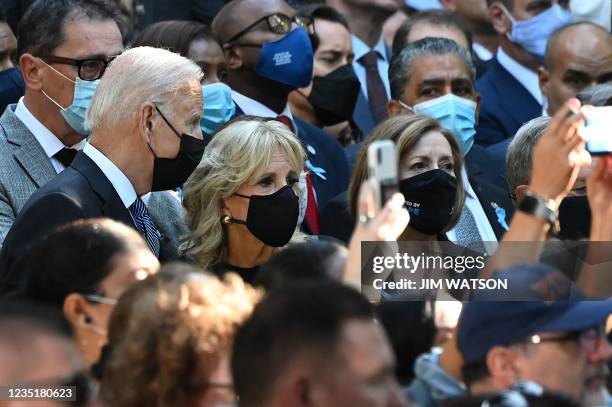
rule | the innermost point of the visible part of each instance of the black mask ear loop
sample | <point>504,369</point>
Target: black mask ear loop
<point>227,219</point>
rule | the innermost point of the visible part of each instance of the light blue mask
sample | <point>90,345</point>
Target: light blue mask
<point>75,114</point>
<point>454,113</point>
<point>218,106</point>
<point>532,34</point>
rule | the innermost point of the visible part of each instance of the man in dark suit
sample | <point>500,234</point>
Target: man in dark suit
<point>265,61</point>
<point>144,138</point>
<point>424,72</point>
<point>372,57</point>
<point>510,89</point>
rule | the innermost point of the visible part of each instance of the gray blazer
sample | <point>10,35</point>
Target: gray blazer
<point>25,167</point>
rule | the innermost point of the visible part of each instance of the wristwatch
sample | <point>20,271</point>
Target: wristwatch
<point>536,205</point>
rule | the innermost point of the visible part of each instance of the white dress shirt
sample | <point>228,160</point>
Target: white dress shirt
<point>47,140</point>
<point>120,182</point>
<point>251,107</point>
<point>482,52</point>
<point>525,76</point>
<point>360,49</point>
<point>471,201</point>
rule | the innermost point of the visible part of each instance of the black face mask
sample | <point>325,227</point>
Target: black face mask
<point>430,198</point>
<point>334,95</point>
<point>574,218</point>
<point>272,218</point>
<point>170,173</point>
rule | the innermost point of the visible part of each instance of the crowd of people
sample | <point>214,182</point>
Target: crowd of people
<point>188,207</point>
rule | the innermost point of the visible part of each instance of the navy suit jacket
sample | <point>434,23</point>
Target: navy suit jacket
<point>325,152</point>
<point>12,87</point>
<point>81,191</point>
<point>506,105</point>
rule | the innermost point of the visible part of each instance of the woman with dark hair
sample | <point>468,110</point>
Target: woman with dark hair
<point>195,41</point>
<point>82,268</point>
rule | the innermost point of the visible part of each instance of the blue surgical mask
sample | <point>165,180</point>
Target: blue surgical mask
<point>75,114</point>
<point>454,113</point>
<point>287,60</point>
<point>532,34</point>
<point>218,106</point>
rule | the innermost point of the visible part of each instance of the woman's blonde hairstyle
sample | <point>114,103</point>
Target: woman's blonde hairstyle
<point>405,130</point>
<point>238,152</point>
<point>168,334</point>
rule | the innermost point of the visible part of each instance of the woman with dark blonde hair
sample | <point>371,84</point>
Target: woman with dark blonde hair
<point>243,201</point>
<point>429,161</point>
<point>170,338</point>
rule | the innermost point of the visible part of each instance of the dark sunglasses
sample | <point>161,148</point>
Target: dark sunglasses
<point>279,24</point>
<point>89,69</point>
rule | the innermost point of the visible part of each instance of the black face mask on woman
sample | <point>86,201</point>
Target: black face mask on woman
<point>272,218</point>
<point>430,198</point>
<point>170,173</point>
<point>334,95</point>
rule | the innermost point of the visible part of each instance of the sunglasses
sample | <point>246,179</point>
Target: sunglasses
<point>279,23</point>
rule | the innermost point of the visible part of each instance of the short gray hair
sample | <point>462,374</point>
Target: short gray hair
<point>136,76</point>
<point>597,95</point>
<point>401,63</point>
<point>520,152</point>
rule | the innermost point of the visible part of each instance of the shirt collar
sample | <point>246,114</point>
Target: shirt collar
<point>120,182</point>
<point>525,76</point>
<point>47,140</point>
<point>252,107</point>
<point>360,48</point>
<point>466,183</point>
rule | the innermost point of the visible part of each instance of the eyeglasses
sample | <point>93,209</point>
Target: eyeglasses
<point>280,24</point>
<point>89,69</point>
<point>588,339</point>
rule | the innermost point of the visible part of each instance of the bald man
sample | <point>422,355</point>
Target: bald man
<point>268,54</point>
<point>577,56</point>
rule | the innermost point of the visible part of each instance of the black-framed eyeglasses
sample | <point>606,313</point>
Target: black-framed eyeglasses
<point>279,23</point>
<point>89,69</point>
<point>587,338</point>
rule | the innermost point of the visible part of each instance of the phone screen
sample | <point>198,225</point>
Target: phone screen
<point>598,130</point>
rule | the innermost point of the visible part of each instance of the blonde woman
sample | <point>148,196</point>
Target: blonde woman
<point>170,340</point>
<point>242,201</point>
<point>429,171</point>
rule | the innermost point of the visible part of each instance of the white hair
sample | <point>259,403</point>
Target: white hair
<point>136,76</point>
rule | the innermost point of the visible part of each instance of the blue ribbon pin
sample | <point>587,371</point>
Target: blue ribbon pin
<point>501,215</point>
<point>318,171</point>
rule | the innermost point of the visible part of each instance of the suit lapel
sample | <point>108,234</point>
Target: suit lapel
<point>516,101</point>
<point>487,205</point>
<point>112,206</point>
<point>28,151</point>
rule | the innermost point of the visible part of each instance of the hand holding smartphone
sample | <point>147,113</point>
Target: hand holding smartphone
<point>597,131</point>
<point>382,168</point>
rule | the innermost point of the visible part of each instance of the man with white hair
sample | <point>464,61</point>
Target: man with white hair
<point>145,123</point>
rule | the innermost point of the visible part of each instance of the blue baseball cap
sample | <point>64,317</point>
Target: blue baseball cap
<point>485,324</point>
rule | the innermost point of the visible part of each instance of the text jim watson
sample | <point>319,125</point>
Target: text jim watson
<point>443,283</point>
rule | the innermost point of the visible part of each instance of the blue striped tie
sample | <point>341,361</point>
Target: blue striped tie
<point>145,225</point>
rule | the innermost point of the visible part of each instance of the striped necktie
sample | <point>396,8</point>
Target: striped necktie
<point>145,225</point>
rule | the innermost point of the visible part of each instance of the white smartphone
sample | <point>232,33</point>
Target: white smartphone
<point>382,168</point>
<point>597,130</point>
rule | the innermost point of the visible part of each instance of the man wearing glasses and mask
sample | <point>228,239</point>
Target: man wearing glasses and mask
<point>64,48</point>
<point>268,54</point>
